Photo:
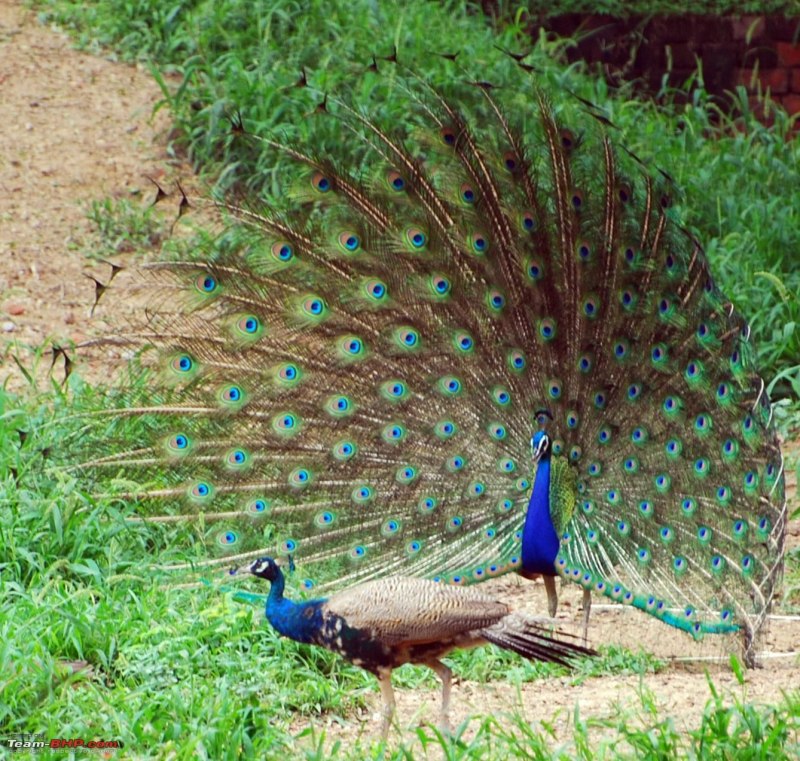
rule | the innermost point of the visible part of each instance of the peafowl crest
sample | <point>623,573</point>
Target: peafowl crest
<point>488,348</point>
<point>388,622</point>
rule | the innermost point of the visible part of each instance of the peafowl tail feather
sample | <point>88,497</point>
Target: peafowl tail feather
<point>355,377</point>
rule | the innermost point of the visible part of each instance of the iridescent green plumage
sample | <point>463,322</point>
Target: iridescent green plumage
<point>356,380</point>
<point>563,493</point>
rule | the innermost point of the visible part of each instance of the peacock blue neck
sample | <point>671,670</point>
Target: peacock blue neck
<point>299,621</point>
<point>539,538</point>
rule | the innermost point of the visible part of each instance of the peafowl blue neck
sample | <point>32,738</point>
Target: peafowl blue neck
<point>299,621</point>
<point>539,538</point>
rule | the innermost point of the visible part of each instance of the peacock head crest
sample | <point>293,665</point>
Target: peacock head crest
<point>265,568</point>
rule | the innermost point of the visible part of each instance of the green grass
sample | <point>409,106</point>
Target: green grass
<point>124,226</point>
<point>739,182</point>
<point>172,670</point>
<point>189,673</point>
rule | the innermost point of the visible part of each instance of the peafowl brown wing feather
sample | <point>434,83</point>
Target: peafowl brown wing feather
<point>386,623</point>
<point>491,350</point>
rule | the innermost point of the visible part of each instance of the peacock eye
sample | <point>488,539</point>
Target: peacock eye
<point>357,366</point>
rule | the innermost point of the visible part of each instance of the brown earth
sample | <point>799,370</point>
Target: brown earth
<point>77,128</point>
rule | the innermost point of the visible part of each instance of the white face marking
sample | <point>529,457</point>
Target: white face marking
<point>538,451</point>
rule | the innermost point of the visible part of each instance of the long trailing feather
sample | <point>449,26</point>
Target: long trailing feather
<point>355,379</point>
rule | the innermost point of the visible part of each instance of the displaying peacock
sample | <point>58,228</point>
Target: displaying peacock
<point>487,348</point>
<point>385,623</point>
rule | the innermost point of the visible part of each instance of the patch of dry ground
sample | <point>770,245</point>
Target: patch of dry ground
<point>680,690</point>
<point>77,128</point>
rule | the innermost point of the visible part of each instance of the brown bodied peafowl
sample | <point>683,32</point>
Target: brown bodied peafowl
<point>385,623</point>
<point>488,348</point>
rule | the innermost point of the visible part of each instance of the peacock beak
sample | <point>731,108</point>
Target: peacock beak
<point>246,569</point>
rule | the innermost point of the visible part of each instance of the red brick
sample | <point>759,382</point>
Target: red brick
<point>777,80</point>
<point>745,77</point>
<point>766,56</point>
<point>791,103</point>
<point>795,86</point>
<point>684,55</point>
<point>781,28</point>
<point>748,28</point>
<point>788,54</point>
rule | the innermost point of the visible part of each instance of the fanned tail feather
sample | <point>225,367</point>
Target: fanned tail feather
<point>355,381</point>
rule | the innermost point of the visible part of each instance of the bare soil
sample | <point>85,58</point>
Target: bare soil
<point>77,128</point>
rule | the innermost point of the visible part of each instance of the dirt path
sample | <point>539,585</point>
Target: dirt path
<point>76,128</point>
<point>680,691</point>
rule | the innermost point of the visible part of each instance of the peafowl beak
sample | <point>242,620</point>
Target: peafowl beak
<point>263,567</point>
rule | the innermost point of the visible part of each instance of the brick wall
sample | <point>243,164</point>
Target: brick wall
<point>761,53</point>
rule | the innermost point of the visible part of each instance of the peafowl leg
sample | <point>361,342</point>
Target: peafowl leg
<point>587,607</point>
<point>387,693</point>
<point>552,595</point>
<point>749,646</point>
<point>446,675</point>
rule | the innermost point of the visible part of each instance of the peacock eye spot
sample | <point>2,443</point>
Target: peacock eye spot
<point>321,182</point>
<point>417,238</point>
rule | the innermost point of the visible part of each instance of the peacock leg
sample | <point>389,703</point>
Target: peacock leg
<point>387,693</point>
<point>587,607</point>
<point>749,646</point>
<point>446,675</point>
<point>552,595</point>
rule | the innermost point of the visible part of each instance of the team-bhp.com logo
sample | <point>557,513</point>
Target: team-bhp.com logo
<point>35,743</point>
